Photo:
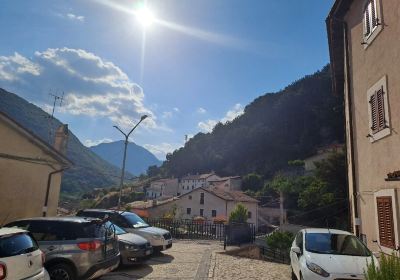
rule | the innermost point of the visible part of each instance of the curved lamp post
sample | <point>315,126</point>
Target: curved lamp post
<point>123,161</point>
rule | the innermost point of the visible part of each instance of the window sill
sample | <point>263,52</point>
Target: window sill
<point>368,41</point>
<point>379,135</point>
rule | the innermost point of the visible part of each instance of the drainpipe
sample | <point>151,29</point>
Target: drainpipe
<point>349,100</point>
<point>46,201</point>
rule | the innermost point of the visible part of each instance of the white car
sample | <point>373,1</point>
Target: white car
<point>328,254</point>
<point>20,257</point>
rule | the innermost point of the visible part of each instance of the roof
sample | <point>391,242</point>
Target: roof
<point>198,176</point>
<point>325,230</point>
<point>223,179</point>
<point>37,140</point>
<point>164,180</point>
<point>335,30</point>
<point>226,195</point>
<point>11,230</point>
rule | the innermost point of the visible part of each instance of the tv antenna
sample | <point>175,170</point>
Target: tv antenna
<point>57,102</point>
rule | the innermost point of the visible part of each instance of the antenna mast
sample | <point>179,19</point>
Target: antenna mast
<point>59,100</point>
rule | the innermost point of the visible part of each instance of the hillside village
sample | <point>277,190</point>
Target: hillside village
<point>301,183</point>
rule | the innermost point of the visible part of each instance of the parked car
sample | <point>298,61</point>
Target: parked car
<point>132,247</point>
<point>160,239</point>
<point>328,254</point>
<point>20,256</point>
<point>75,247</point>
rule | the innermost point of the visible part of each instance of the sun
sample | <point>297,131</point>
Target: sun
<point>145,16</point>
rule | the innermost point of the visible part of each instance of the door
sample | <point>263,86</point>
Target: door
<point>46,234</point>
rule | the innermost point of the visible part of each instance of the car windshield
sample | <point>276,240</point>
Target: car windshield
<point>17,244</point>
<point>118,230</point>
<point>135,220</point>
<point>335,244</point>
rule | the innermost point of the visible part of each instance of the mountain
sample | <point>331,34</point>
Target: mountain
<point>138,159</point>
<point>89,170</point>
<point>274,129</point>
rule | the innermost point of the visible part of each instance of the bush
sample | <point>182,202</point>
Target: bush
<point>281,240</point>
<point>389,268</point>
<point>239,214</point>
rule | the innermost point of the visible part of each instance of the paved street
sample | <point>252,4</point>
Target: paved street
<point>200,260</point>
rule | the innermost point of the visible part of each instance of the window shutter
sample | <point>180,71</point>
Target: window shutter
<point>385,221</point>
<point>367,22</point>
<point>373,13</point>
<point>374,120</point>
<point>380,108</point>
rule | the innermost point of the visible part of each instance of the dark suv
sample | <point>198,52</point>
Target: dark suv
<point>75,248</point>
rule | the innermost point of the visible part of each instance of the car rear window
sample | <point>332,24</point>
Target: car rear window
<point>17,244</point>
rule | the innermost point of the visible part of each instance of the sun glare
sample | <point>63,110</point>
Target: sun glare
<point>145,16</point>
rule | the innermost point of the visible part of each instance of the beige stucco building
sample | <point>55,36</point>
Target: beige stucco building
<point>28,166</point>
<point>364,41</point>
<point>191,182</point>
<point>163,189</point>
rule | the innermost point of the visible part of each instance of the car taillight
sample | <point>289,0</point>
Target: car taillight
<point>3,271</point>
<point>43,258</point>
<point>89,246</point>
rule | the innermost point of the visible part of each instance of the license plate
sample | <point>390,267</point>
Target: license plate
<point>148,252</point>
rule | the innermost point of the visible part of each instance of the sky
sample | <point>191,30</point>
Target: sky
<point>198,63</point>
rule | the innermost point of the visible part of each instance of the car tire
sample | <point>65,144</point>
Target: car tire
<point>61,271</point>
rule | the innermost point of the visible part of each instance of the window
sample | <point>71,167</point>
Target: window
<point>192,187</point>
<point>249,215</point>
<point>188,211</point>
<point>385,221</point>
<point>190,197</point>
<point>372,21</point>
<point>183,187</point>
<point>202,198</point>
<point>201,212</point>
<point>17,244</point>
<point>299,240</point>
<point>378,110</point>
<point>187,187</point>
<point>213,213</point>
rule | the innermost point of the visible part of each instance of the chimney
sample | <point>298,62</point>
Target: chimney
<point>61,139</point>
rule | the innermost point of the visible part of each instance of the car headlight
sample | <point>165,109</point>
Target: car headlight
<point>317,269</point>
<point>131,247</point>
<point>156,236</point>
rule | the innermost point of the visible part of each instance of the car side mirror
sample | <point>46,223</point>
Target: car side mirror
<point>296,250</point>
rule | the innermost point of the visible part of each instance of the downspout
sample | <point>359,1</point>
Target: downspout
<point>46,200</point>
<point>348,93</point>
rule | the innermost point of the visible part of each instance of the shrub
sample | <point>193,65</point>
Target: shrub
<point>281,240</point>
<point>389,268</point>
<point>239,214</point>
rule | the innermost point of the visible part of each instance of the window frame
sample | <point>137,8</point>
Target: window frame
<point>201,212</point>
<point>213,213</point>
<point>387,193</point>
<point>372,91</point>
<point>374,30</point>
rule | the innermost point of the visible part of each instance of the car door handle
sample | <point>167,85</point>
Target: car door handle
<point>51,248</point>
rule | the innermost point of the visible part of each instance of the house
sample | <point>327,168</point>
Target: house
<point>364,40</point>
<point>207,202</point>
<point>191,182</point>
<point>321,154</point>
<point>233,183</point>
<point>162,189</point>
<point>30,171</point>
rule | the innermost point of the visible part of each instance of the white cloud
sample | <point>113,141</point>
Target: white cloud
<point>162,149</point>
<point>90,143</point>
<point>75,17</point>
<point>176,109</point>
<point>167,115</point>
<point>201,110</point>
<point>92,86</point>
<point>208,125</point>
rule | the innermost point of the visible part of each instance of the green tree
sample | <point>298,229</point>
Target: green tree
<point>252,182</point>
<point>315,194</point>
<point>239,214</point>
<point>281,240</point>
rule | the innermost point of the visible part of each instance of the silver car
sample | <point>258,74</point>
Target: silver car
<point>160,239</point>
<point>75,248</point>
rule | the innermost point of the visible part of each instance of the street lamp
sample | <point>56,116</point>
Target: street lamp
<point>123,161</point>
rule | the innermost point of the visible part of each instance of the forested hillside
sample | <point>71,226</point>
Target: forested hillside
<point>274,129</point>
<point>89,171</point>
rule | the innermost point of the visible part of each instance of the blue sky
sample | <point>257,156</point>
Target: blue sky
<point>200,61</point>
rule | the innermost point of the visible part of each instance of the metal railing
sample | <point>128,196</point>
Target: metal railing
<point>275,255</point>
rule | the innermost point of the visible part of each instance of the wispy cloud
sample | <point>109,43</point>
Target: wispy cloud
<point>201,110</point>
<point>90,143</point>
<point>162,149</point>
<point>208,125</point>
<point>92,86</point>
<point>75,17</point>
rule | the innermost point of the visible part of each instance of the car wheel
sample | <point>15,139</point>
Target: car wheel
<point>61,271</point>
